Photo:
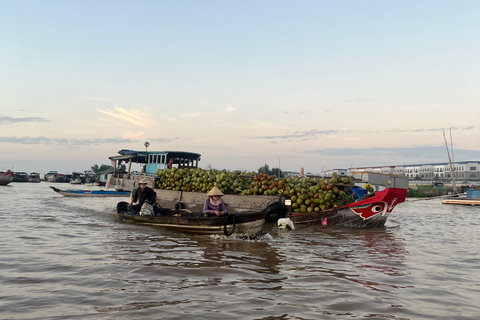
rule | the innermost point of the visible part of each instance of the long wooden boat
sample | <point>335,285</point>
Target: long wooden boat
<point>249,224</point>
<point>367,213</point>
<point>471,199</point>
<point>90,193</point>
<point>6,178</point>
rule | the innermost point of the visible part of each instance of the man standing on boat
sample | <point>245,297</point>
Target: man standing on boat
<point>141,194</point>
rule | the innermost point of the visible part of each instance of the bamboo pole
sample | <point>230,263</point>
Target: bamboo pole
<point>452,170</point>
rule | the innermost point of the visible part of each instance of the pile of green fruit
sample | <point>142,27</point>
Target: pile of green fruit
<point>199,180</point>
<point>307,195</point>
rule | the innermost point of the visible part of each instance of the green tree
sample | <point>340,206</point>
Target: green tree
<point>273,171</point>
<point>103,167</point>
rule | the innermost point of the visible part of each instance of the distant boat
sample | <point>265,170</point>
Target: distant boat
<point>20,177</point>
<point>54,176</point>
<point>90,193</point>
<point>33,177</point>
<point>77,178</point>
<point>6,178</point>
<point>51,176</point>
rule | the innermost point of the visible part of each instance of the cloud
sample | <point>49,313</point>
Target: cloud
<point>95,98</point>
<point>130,135</point>
<point>266,125</point>
<point>63,141</point>
<point>132,116</point>
<point>304,135</point>
<point>165,140</point>
<point>399,155</point>
<point>190,115</point>
<point>8,120</point>
<point>226,110</point>
<point>431,129</point>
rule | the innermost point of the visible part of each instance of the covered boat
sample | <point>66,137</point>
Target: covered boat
<point>20,177</point>
<point>6,178</point>
<point>34,177</point>
<point>471,199</point>
<point>90,193</point>
<point>250,224</point>
<point>372,210</point>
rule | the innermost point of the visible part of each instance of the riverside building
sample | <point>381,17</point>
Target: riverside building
<point>463,171</point>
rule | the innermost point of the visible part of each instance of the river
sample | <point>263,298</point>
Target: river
<point>71,258</point>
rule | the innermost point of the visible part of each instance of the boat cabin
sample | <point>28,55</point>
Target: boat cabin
<point>154,160</point>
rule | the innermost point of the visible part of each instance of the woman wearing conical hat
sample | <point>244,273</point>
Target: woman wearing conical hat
<point>214,205</point>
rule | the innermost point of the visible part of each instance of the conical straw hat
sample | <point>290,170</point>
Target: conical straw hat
<point>214,192</point>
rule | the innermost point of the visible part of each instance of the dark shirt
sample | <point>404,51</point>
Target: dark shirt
<point>143,194</point>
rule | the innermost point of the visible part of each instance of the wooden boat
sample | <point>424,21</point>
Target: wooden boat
<point>6,178</point>
<point>472,198</point>
<point>371,211</point>
<point>33,177</point>
<point>250,224</point>
<point>90,193</point>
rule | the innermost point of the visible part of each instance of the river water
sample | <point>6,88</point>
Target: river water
<point>70,258</point>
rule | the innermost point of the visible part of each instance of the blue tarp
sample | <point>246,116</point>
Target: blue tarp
<point>358,192</point>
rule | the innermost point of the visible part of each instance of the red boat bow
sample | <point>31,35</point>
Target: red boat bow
<point>370,212</point>
<point>381,203</point>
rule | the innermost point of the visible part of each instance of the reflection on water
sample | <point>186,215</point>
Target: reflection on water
<point>67,258</point>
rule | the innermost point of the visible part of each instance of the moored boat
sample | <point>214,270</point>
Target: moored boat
<point>6,178</point>
<point>51,176</point>
<point>90,193</point>
<point>20,177</point>
<point>472,198</point>
<point>33,177</point>
<point>371,211</point>
<point>250,224</point>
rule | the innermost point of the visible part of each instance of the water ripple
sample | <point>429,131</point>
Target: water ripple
<point>67,258</point>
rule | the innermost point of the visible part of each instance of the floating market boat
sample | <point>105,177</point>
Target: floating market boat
<point>90,193</point>
<point>250,224</point>
<point>472,198</point>
<point>309,200</point>
<point>6,178</point>
<point>34,177</point>
<point>371,211</point>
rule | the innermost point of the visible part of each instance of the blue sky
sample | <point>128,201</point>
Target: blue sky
<point>313,84</point>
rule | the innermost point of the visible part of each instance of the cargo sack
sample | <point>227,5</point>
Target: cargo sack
<point>147,209</point>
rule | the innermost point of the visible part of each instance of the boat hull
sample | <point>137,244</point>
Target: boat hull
<point>90,193</point>
<point>6,178</point>
<point>368,213</point>
<point>248,224</point>
<point>462,201</point>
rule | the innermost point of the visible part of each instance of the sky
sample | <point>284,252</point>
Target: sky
<point>307,84</point>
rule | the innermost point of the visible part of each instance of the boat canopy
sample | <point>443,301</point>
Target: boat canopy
<point>155,160</point>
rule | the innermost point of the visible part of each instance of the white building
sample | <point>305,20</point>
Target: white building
<point>464,170</point>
